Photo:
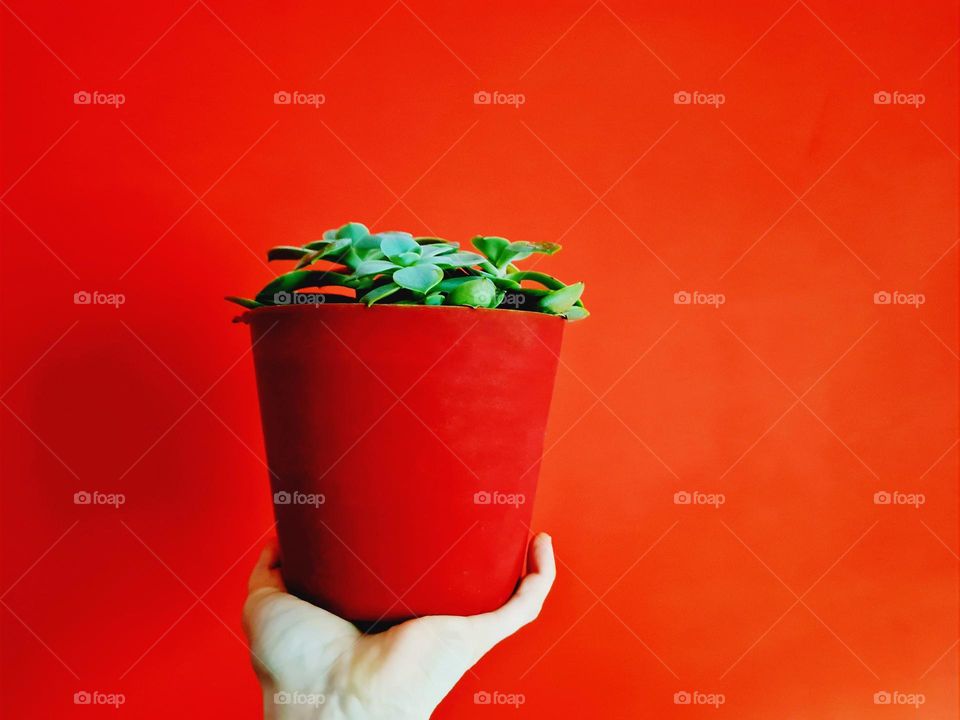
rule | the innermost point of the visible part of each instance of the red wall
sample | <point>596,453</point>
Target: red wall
<point>797,399</point>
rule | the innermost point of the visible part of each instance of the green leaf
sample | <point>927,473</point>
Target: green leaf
<point>244,302</point>
<point>433,299</point>
<point>490,246</point>
<point>379,293</point>
<point>521,250</point>
<point>429,251</point>
<point>365,244</point>
<point>286,252</point>
<point>374,267</point>
<point>308,259</point>
<point>478,292</point>
<point>576,313</point>
<point>336,247</point>
<point>504,283</point>
<point>330,234</point>
<point>559,301</point>
<point>459,259</point>
<point>298,279</point>
<point>448,284</point>
<point>395,244</point>
<point>317,244</point>
<point>408,259</point>
<point>428,240</point>
<point>419,278</point>
<point>548,281</point>
<point>352,230</point>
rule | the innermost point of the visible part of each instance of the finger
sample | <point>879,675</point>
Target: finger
<point>266,573</point>
<point>525,604</point>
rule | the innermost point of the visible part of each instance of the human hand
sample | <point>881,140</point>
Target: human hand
<point>313,665</point>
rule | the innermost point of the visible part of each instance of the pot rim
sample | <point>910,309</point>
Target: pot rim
<point>247,316</point>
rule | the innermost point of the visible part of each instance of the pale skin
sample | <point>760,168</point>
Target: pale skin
<point>313,665</point>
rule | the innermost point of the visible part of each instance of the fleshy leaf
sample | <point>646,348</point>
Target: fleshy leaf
<point>244,302</point>
<point>395,244</point>
<point>479,292</point>
<point>559,301</point>
<point>439,248</point>
<point>521,250</point>
<point>449,284</point>
<point>576,313</point>
<point>491,247</point>
<point>374,267</point>
<point>548,281</point>
<point>459,259</point>
<point>504,283</point>
<point>379,293</point>
<point>419,278</point>
<point>286,252</point>
<point>352,230</point>
<point>409,259</point>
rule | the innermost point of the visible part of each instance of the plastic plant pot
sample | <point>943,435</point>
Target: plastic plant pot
<point>404,446</point>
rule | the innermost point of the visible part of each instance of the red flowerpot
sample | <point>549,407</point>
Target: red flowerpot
<point>404,446</point>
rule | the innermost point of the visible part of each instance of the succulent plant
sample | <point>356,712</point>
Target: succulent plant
<point>398,268</point>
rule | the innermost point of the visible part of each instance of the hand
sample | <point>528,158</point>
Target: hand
<point>319,666</point>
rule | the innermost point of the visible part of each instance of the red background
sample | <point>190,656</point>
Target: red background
<point>797,399</point>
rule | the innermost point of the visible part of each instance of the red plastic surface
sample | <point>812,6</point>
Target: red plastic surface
<point>404,447</point>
